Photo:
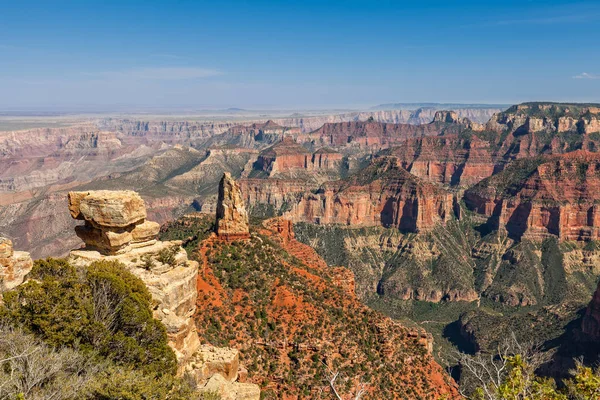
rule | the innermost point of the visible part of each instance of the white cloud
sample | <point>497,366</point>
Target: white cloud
<point>585,75</point>
<point>159,73</point>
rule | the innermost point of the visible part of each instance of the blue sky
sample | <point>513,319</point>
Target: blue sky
<point>294,54</point>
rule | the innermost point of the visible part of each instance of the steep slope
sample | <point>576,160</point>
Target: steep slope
<point>450,160</point>
<point>297,320</point>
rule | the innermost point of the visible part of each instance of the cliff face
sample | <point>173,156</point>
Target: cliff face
<point>375,135</point>
<point>415,117</point>
<point>547,117</point>
<point>382,194</point>
<point>178,131</point>
<point>288,157</point>
<point>449,160</point>
<point>537,198</point>
<point>38,157</point>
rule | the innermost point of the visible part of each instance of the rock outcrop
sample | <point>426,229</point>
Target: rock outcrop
<point>116,230</point>
<point>232,217</point>
<point>371,135</point>
<point>115,222</point>
<point>450,160</point>
<point>14,265</point>
<point>390,115</point>
<point>547,117</point>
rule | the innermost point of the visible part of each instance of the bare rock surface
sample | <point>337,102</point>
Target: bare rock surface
<point>14,265</point>
<point>114,220</point>
<point>232,217</point>
<point>113,209</point>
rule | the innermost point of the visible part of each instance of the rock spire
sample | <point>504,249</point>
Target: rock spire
<point>232,217</point>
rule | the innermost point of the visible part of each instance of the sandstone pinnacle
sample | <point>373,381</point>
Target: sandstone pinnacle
<point>232,217</point>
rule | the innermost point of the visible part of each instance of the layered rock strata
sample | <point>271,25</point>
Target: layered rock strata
<point>377,135</point>
<point>14,265</point>
<point>116,230</point>
<point>543,197</point>
<point>232,217</point>
<point>547,117</point>
<point>287,156</point>
<point>115,222</point>
<point>383,194</point>
<point>449,160</point>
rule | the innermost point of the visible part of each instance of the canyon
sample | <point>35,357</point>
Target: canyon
<point>453,210</point>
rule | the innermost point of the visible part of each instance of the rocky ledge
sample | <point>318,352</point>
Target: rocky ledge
<point>115,229</point>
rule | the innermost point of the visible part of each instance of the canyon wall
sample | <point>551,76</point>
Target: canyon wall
<point>381,195</point>
<point>543,197</point>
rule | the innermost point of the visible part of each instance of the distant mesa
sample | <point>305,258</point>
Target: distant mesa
<point>232,217</point>
<point>288,155</point>
<point>436,106</point>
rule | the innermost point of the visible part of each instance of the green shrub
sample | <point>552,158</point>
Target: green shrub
<point>106,309</point>
<point>167,256</point>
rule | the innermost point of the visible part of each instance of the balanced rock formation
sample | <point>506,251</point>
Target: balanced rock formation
<point>232,217</point>
<point>14,265</point>
<point>115,221</point>
<point>115,229</point>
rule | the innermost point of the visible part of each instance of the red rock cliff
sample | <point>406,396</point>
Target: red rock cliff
<point>382,194</point>
<point>536,198</point>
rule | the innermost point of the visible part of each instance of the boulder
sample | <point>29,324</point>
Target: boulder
<point>115,221</point>
<point>108,208</point>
